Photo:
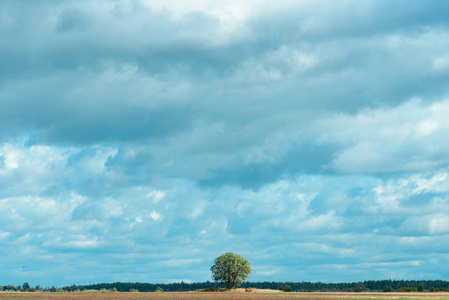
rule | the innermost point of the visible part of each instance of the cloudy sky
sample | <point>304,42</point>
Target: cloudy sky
<point>141,139</point>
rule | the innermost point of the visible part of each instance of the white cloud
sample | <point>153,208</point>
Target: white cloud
<point>438,183</point>
<point>82,244</point>
<point>155,216</point>
<point>386,201</point>
<point>10,156</point>
<point>434,224</point>
<point>427,127</point>
<point>405,138</point>
<point>74,241</point>
<point>441,64</point>
<point>324,221</point>
<point>36,213</point>
<point>156,196</point>
<point>268,273</point>
<point>134,221</point>
<point>4,235</point>
<point>439,224</point>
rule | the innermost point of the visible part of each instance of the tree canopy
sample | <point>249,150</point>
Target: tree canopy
<point>230,269</point>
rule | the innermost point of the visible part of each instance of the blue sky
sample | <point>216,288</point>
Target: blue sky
<point>139,140</point>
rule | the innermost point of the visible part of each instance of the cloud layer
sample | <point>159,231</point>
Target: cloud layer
<point>140,140</point>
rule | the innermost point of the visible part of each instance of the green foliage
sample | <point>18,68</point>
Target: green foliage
<point>159,290</point>
<point>432,289</point>
<point>388,289</point>
<point>26,286</point>
<point>288,289</point>
<point>420,288</point>
<point>281,288</point>
<point>213,290</point>
<point>360,287</point>
<point>230,269</point>
<point>406,289</point>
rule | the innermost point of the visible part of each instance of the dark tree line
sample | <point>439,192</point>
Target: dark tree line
<point>27,288</point>
<point>368,286</point>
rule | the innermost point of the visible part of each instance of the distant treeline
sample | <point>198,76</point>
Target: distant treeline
<point>27,288</point>
<point>369,286</point>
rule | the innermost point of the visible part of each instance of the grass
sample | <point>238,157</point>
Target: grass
<point>232,295</point>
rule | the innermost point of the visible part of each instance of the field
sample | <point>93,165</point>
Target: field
<point>224,295</point>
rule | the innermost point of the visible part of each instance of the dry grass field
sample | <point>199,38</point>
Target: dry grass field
<point>258,294</point>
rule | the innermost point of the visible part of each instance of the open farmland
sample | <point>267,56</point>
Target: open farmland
<point>224,296</point>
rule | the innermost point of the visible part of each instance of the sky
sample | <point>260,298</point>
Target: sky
<point>139,140</point>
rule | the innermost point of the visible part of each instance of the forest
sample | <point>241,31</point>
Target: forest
<point>365,286</point>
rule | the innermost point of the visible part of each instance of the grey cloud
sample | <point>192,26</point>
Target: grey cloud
<point>317,21</point>
<point>305,159</point>
<point>72,20</point>
<point>256,131</point>
<point>188,58</point>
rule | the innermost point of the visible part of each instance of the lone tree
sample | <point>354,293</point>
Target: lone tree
<point>230,269</point>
